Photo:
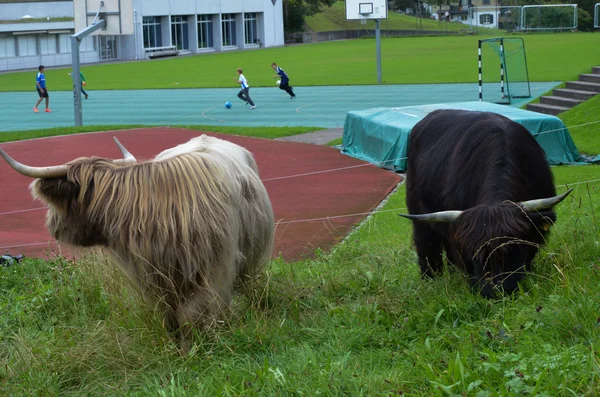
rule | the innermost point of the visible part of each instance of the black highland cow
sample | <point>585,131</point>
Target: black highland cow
<point>478,186</point>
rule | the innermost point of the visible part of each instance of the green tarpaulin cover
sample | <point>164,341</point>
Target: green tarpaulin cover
<point>380,135</point>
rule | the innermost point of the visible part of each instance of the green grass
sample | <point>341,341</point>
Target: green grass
<point>36,20</point>
<point>335,142</point>
<point>258,132</point>
<point>550,57</point>
<point>586,136</point>
<point>334,18</point>
<point>357,321</point>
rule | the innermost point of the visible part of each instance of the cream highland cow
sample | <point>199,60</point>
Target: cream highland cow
<point>186,226</point>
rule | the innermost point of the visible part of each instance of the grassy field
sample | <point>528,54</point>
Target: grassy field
<point>260,132</point>
<point>587,136</point>
<point>334,18</point>
<point>356,321</point>
<point>550,57</point>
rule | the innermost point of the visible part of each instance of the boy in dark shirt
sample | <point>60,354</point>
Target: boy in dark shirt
<point>285,80</point>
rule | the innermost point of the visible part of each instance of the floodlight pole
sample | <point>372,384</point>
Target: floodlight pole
<point>378,46</point>
<point>75,42</point>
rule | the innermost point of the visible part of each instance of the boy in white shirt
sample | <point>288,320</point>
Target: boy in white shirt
<point>244,94</point>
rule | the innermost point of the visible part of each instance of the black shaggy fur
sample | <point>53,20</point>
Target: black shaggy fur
<point>481,163</point>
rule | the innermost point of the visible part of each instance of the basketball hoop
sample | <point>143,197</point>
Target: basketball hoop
<point>364,10</point>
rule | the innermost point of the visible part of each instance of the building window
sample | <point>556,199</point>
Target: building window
<point>89,44</point>
<point>48,44</point>
<point>228,29</point>
<point>27,45</point>
<point>8,48</point>
<point>152,32</point>
<point>179,32</point>
<point>205,31</point>
<point>250,31</point>
<point>64,43</point>
<point>486,19</point>
<point>486,2</point>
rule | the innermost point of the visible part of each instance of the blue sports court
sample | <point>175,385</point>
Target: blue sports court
<point>314,106</point>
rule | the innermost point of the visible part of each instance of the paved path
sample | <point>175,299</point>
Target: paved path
<point>318,137</point>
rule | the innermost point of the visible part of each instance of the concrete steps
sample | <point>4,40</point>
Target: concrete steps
<point>576,92</point>
<point>547,109</point>
<point>590,77</point>
<point>584,86</point>
<point>560,101</point>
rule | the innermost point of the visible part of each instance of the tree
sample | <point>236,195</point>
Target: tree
<point>402,4</point>
<point>295,12</point>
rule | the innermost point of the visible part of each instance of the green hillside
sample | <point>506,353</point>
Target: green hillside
<point>334,18</point>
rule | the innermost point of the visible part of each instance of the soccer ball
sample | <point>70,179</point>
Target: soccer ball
<point>278,82</point>
<point>228,105</point>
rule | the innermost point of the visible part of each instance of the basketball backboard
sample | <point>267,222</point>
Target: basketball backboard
<point>118,15</point>
<point>366,9</point>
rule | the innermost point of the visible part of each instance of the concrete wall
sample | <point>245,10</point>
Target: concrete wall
<point>130,47</point>
<point>269,21</point>
<point>36,26</point>
<point>358,33</point>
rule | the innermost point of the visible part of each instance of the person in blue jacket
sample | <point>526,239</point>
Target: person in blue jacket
<point>285,80</point>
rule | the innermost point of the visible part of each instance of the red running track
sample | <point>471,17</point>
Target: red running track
<point>296,199</point>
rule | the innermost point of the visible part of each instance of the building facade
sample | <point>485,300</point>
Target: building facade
<point>34,33</point>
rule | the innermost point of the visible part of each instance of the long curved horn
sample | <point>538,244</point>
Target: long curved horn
<point>436,217</point>
<point>127,156</point>
<point>56,171</point>
<point>35,172</point>
<point>543,204</point>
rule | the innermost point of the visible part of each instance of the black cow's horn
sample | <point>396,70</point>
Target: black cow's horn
<point>543,204</point>
<point>437,217</point>
<point>56,171</point>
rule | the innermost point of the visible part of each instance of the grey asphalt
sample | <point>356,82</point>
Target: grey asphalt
<point>318,137</point>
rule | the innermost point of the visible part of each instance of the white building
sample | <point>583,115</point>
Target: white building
<point>190,26</point>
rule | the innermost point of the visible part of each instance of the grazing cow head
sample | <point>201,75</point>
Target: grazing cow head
<point>69,191</point>
<point>496,243</point>
<point>479,187</point>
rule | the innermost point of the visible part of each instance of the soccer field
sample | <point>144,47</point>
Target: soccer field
<point>414,60</point>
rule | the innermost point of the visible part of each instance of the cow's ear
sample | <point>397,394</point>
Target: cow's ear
<point>56,191</point>
<point>543,220</point>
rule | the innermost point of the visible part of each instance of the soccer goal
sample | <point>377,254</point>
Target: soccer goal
<point>597,15</point>
<point>503,71</point>
<point>549,17</point>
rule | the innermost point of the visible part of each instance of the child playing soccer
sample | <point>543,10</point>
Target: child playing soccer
<point>244,93</point>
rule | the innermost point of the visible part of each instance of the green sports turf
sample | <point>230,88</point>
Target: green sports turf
<point>415,60</point>
<point>314,106</point>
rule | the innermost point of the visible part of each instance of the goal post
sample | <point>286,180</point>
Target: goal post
<point>549,17</point>
<point>503,73</point>
<point>597,15</point>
